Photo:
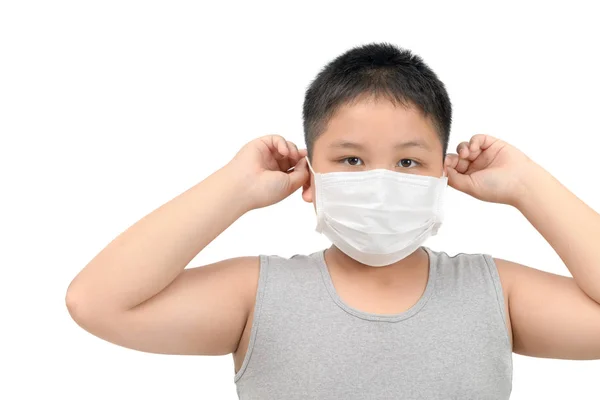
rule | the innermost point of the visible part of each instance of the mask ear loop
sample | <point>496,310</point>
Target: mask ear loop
<point>444,175</point>
<point>309,166</point>
<point>319,207</point>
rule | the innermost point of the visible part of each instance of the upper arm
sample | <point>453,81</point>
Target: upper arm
<point>202,312</point>
<point>551,316</point>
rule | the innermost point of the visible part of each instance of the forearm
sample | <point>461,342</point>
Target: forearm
<point>569,225</point>
<point>149,255</point>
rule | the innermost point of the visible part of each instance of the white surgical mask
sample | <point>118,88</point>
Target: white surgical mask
<point>378,217</point>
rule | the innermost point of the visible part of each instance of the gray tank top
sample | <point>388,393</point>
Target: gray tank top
<point>307,343</point>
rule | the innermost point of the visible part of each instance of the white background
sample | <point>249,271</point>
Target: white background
<point>110,109</point>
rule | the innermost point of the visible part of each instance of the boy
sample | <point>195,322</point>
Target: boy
<point>377,315</point>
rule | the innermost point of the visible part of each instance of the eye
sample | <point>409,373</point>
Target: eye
<point>408,163</point>
<point>352,161</point>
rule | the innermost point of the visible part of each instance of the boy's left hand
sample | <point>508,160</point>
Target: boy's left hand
<point>489,169</point>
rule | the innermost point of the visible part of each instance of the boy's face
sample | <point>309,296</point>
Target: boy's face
<point>376,135</point>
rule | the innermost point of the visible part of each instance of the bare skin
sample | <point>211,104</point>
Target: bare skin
<point>138,293</point>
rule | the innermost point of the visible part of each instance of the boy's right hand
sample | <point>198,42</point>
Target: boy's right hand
<point>264,164</point>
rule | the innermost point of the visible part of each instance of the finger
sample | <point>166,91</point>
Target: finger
<point>299,175</point>
<point>303,152</point>
<point>281,145</point>
<point>284,164</point>
<point>475,142</point>
<point>481,141</point>
<point>463,149</point>
<point>473,154</point>
<point>275,146</point>
<point>463,165</point>
<point>451,160</point>
<point>293,154</point>
<point>454,161</point>
<point>460,182</point>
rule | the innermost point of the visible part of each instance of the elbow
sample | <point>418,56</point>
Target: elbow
<point>82,307</point>
<point>89,311</point>
<point>75,304</point>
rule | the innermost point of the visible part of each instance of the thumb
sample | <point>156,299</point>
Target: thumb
<point>459,181</point>
<point>299,175</point>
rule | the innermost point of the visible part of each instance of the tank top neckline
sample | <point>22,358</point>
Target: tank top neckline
<point>413,310</point>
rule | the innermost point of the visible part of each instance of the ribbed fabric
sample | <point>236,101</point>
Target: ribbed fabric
<point>307,343</point>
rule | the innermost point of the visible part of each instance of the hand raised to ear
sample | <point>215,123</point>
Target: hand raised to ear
<point>488,169</point>
<point>273,168</point>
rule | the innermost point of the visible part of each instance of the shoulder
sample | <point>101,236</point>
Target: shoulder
<point>461,259</point>
<point>483,267</point>
<point>289,269</point>
<point>476,266</point>
<point>484,276</point>
<point>289,262</point>
<point>475,259</point>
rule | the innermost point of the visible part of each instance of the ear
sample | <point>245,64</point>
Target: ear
<point>308,190</point>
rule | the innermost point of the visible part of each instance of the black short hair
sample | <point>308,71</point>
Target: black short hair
<point>380,70</point>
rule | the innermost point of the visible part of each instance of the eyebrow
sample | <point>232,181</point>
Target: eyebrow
<point>401,145</point>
